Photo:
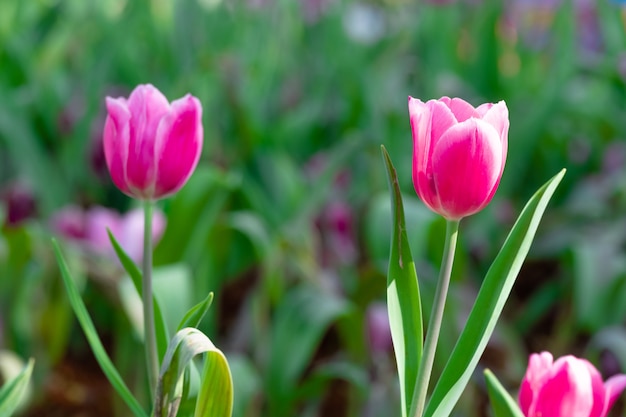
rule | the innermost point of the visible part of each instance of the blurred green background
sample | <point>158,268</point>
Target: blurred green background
<point>287,216</point>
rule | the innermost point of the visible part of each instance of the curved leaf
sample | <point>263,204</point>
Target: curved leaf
<point>403,297</point>
<point>215,397</point>
<point>501,401</point>
<point>489,303</point>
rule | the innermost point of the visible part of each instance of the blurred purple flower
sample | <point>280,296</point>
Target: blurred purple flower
<point>338,229</point>
<point>19,202</point>
<point>90,227</point>
<point>531,20</point>
<point>378,329</point>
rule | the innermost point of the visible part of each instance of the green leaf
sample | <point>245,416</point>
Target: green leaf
<point>194,316</point>
<point>162,335</point>
<point>92,337</point>
<point>489,303</point>
<point>501,401</point>
<point>12,392</point>
<point>215,397</point>
<point>403,297</point>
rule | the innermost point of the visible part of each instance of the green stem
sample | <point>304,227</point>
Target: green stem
<point>148,306</point>
<point>436,317</point>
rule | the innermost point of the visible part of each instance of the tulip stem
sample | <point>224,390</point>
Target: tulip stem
<point>147,297</point>
<point>436,317</point>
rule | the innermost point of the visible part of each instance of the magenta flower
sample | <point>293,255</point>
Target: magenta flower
<point>569,387</point>
<point>152,146</point>
<point>458,153</point>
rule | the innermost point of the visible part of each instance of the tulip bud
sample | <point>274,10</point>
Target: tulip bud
<point>568,387</point>
<point>458,154</point>
<point>152,146</point>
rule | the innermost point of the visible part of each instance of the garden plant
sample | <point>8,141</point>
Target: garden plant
<point>227,208</point>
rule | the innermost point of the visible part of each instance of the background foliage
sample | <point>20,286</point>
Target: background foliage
<point>287,217</point>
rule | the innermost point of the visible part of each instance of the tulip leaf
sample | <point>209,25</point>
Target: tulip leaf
<point>12,392</point>
<point>194,316</point>
<point>502,403</point>
<point>92,337</point>
<point>215,397</point>
<point>489,303</point>
<point>403,297</point>
<point>135,275</point>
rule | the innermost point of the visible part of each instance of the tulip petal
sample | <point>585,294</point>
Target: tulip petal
<point>147,106</point>
<point>613,388</point>
<point>498,117</point>
<point>597,389</point>
<point>180,137</point>
<point>429,121</point>
<point>115,140</point>
<point>538,368</point>
<point>466,164</point>
<point>567,392</point>
<point>461,109</point>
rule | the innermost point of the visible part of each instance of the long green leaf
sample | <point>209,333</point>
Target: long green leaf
<point>215,398</point>
<point>489,303</point>
<point>162,335</point>
<point>12,392</point>
<point>92,337</point>
<point>502,403</point>
<point>403,297</point>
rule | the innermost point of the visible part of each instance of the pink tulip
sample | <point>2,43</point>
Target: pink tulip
<point>458,153</point>
<point>152,146</point>
<point>569,387</point>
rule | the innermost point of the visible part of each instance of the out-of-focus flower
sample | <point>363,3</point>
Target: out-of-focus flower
<point>364,23</point>
<point>567,387</point>
<point>338,231</point>
<point>378,329</point>
<point>90,228</point>
<point>459,153</point>
<point>151,146</point>
<point>20,203</point>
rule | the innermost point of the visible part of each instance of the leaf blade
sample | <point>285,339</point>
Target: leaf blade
<point>92,337</point>
<point>12,392</point>
<point>502,403</point>
<point>489,303</point>
<point>403,297</point>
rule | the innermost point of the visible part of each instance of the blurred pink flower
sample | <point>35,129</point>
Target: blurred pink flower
<point>459,153</point>
<point>151,146</point>
<point>378,329</point>
<point>567,387</point>
<point>90,227</point>
<point>20,204</point>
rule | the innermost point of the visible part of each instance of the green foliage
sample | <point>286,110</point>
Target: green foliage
<point>489,304</point>
<point>403,297</point>
<point>13,391</point>
<point>501,401</point>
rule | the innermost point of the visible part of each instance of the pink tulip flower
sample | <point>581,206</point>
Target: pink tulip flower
<point>567,387</point>
<point>151,146</point>
<point>458,153</point>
